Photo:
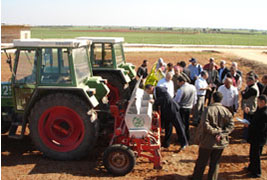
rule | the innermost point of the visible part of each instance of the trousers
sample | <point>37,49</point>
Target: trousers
<point>205,155</point>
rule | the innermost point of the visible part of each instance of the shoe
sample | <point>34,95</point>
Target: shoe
<point>253,175</point>
<point>184,146</point>
<point>165,145</point>
<point>247,169</point>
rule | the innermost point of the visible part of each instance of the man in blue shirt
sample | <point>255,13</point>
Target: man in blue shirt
<point>195,70</point>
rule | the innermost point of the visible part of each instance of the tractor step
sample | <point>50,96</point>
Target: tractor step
<point>13,131</point>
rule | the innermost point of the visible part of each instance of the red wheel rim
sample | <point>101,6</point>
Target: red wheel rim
<point>113,95</point>
<point>61,129</point>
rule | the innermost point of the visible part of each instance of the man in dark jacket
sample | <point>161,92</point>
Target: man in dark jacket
<point>257,136</point>
<point>222,71</point>
<point>264,82</point>
<point>169,113</point>
<point>142,72</point>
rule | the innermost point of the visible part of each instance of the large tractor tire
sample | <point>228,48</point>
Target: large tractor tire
<point>6,119</point>
<point>119,159</point>
<point>63,126</point>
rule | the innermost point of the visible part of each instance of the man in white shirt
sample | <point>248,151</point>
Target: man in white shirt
<point>201,86</point>
<point>186,97</point>
<point>230,95</point>
<point>167,83</point>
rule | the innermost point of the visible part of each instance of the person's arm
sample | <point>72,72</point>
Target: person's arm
<point>213,130</point>
<point>236,100</point>
<point>195,96</point>
<point>239,83</point>
<point>178,96</point>
<point>229,127</point>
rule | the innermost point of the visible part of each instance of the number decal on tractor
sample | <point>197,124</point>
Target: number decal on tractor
<point>6,90</point>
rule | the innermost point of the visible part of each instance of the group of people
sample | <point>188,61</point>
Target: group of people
<point>186,90</point>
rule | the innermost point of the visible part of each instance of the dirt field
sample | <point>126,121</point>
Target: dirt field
<point>20,159</point>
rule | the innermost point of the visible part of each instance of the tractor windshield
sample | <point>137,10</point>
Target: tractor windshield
<point>118,53</point>
<point>81,63</point>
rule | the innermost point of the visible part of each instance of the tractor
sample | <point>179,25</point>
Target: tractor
<point>54,93</point>
<point>108,61</point>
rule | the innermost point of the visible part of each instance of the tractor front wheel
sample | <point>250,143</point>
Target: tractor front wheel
<point>119,159</point>
<point>63,126</point>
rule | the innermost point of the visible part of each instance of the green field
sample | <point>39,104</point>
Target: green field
<point>157,36</point>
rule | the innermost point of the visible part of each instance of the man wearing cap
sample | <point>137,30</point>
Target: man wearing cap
<point>223,70</point>
<point>195,70</point>
<point>207,66</point>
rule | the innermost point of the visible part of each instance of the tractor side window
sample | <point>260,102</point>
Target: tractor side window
<point>118,53</point>
<point>55,66</point>
<point>26,68</point>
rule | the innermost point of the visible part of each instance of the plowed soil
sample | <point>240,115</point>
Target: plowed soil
<point>21,160</point>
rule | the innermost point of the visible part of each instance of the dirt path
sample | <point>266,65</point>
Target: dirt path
<point>258,54</point>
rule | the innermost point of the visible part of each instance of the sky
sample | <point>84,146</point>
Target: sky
<point>164,13</point>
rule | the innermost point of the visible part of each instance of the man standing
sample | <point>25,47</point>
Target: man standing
<point>249,101</point>
<point>142,72</point>
<point>185,69</point>
<point>207,66</point>
<point>213,80</point>
<point>215,126</point>
<point>222,71</point>
<point>257,135</point>
<point>167,83</point>
<point>195,70</point>
<point>236,77</point>
<point>169,114</point>
<point>186,98</point>
<point>201,86</point>
<point>264,82</point>
<point>249,98</point>
<point>230,95</point>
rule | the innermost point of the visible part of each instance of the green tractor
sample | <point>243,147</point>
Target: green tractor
<point>54,92</point>
<point>108,61</point>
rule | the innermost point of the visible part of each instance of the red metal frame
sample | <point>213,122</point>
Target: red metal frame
<point>148,147</point>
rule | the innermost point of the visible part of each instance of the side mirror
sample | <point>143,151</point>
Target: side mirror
<point>9,61</point>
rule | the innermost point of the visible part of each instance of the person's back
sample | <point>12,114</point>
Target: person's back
<point>189,96</point>
<point>216,117</point>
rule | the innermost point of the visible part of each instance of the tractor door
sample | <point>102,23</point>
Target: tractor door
<point>24,81</point>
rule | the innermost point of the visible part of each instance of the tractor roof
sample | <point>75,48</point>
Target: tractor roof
<point>103,39</point>
<point>50,43</point>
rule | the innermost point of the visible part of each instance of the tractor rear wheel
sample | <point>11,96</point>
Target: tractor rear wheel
<point>119,159</point>
<point>63,126</point>
<point>6,119</point>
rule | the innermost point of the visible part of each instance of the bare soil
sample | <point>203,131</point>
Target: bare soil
<point>21,160</point>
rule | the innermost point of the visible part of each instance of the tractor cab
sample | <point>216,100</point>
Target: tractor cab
<point>108,61</point>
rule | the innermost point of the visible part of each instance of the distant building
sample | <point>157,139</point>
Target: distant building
<point>10,32</point>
